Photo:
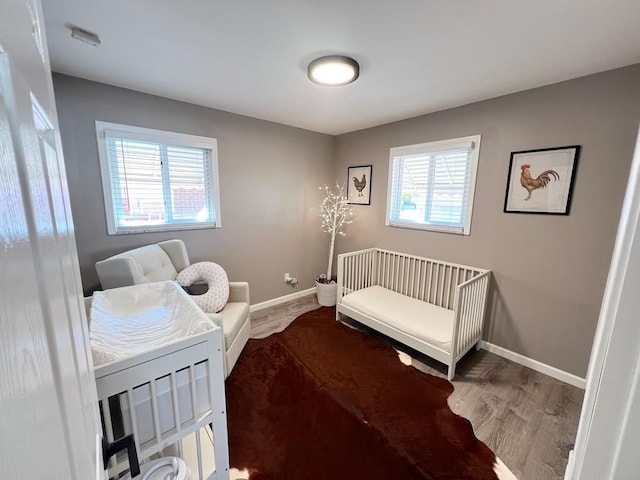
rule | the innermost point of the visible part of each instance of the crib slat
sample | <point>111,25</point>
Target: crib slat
<point>154,410</point>
<point>412,269</point>
<point>174,398</point>
<point>448,297</point>
<point>428,289</point>
<point>354,273</point>
<point>134,419</point>
<point>414,277</point>
<point>465,317</point>
<point>392,269</point>
<point>108,425</point>
<point>354,283</point>
<point>192,387</point>
<point>199,455</point>
<point>387,268</point>
<point>180,448</point>
<point>474,313</point>
<point>372,259</point>
<point>476,309</point>
<point>472,308</point>
<point>439,280</point>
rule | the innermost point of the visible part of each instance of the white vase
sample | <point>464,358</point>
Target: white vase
<point>327,293</point>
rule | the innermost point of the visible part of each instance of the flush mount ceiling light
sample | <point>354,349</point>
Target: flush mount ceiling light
<point>333,70</point>
<point>85,36</point>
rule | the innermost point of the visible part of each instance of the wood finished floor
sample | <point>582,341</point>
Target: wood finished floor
<point>527,418</point>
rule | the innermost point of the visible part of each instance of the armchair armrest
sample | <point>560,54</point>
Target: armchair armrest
<point>216,317</point>
<point>239,292</point>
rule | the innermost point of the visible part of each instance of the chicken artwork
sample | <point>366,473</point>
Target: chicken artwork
<point>541,181</point>
<point>360,184</point>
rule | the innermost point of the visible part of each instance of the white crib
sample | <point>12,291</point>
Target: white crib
<point>167,395</point>
<point>435,307</point>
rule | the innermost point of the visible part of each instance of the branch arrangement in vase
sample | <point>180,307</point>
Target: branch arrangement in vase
<point>335,213</point>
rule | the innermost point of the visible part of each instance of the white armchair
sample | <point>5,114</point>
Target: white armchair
<point>163,261</point>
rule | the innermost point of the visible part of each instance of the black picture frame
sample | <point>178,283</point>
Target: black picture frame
<point>355,177</point>
<point>541,181</point>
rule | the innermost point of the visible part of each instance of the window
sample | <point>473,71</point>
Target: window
<point>431,185</point>
<point>157,181</point>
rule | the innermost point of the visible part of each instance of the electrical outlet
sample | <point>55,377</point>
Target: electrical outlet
<point>286,278</point>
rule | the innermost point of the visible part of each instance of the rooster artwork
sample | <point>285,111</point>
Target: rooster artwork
<point>541,181</point>
<point>360,184</point>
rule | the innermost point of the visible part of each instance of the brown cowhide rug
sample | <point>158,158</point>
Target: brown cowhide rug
<point>322,401</point>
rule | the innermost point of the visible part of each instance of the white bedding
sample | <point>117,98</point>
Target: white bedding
<point>422,320</point>
<point>131,320</point>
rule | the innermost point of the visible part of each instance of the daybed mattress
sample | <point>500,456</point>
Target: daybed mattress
<point>422,320</point>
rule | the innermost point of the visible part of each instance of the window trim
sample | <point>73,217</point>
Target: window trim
<point>429,147</point>
<point>163,137</point>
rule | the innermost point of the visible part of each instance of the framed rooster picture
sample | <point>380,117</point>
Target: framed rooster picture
<point>359,185</point>
<point>541,181</point>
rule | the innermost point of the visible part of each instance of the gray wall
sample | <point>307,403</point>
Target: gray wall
<point>549,271</point>
<point>269,178</point>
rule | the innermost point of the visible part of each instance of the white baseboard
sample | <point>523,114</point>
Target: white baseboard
<point>554,372</point>
<point>568,473</point>
<point>283,299</point>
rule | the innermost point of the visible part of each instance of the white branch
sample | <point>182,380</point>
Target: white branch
<point>335,213</point>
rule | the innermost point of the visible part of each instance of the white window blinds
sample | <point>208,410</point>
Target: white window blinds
<point>157,180</point>
<point>431,185</point>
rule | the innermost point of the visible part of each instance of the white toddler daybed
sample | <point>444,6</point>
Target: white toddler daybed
<point>159,369</point>
<point>435,307</point>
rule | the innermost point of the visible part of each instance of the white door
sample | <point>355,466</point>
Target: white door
<point>49,422</point>
<point>609,431</point>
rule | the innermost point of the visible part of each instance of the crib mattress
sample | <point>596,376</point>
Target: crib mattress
<point>128,321</point>
<point>427,322</point>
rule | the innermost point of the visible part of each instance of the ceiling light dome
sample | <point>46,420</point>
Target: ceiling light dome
<point>333,70</point>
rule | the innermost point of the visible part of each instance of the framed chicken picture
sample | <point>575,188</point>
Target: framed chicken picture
<point>541,181</point>
<point>359,185</point>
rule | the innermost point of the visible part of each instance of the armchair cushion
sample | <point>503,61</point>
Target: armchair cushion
<point>216,279</point>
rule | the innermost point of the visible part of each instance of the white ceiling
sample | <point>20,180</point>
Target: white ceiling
<point>416,56</point>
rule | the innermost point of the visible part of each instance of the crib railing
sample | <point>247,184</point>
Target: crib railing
<point>460,288</point>
<point>469,307</point>
<point>163,397</point>
<point>426,279</point>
